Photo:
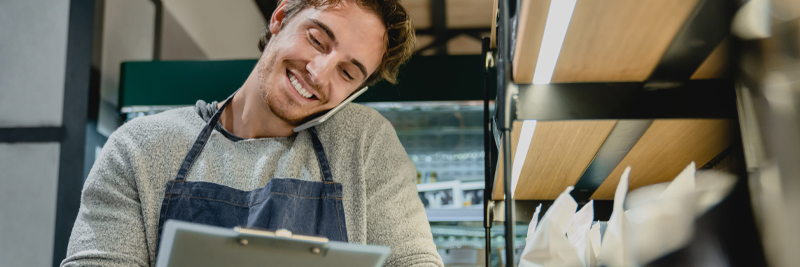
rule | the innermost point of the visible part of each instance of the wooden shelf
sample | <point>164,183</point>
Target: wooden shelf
<point>666,148</point>
<point>608,41</point>
<point>560,152</point>
<point>529,38</point>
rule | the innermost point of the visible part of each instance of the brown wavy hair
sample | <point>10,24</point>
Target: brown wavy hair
<point>400,33</point>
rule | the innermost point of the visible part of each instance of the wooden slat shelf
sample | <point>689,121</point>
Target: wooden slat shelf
<point>666,148</point>
<point>459,14</point>
<point>619,40</point>
<point>420,11</point>
<point>526,52</point>
<point>468,13</point>
<point>608,41</point>
<point>560,152</point>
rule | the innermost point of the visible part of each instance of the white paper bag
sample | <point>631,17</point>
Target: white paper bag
<point>665,223</point>
<point>594,240</point>
<point>684,182</point>
<point>534,222</point>
<point>589,256</point>
<point>549,245</point>
<point>616,249</point>
<point>659,219</point>
<point>577,233</point>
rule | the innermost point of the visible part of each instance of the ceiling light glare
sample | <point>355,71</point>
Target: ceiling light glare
<point>555,29</point>
<point>524,143</point>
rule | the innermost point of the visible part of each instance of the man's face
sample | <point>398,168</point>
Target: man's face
<point>318,58</point>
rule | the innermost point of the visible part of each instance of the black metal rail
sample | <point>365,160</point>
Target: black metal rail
<point>487,151</point>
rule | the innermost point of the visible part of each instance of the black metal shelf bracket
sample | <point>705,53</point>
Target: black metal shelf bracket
<point>620,141</point>
<point>705,28</point>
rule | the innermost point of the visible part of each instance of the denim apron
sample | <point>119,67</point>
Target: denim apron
<point>300,206</point>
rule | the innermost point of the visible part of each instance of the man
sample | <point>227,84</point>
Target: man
<point>214,164</point>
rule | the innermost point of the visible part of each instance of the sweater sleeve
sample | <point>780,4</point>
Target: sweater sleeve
<point>395,215</point>
<point>109,229</point>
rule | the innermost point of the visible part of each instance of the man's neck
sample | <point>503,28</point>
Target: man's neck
<point>248,116</point>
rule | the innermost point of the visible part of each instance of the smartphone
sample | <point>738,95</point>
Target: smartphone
<point>319,120</point>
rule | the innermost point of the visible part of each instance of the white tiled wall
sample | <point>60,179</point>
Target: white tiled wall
<point>28,187</point>
<point>32,61</point>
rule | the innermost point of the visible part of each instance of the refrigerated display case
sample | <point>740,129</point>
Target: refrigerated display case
<point>444,139</point>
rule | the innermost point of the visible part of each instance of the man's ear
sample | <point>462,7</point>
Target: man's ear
<point>278,15</point>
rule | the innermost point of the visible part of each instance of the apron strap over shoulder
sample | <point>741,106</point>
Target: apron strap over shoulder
<point>324,166</point>
<point>200,142</point>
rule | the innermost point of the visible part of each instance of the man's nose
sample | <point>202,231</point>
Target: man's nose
<point>322,67</point>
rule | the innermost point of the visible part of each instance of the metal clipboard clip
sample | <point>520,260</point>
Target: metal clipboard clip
<point>285,239</point>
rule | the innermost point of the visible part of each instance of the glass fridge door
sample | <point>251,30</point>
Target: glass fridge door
<point>445,141</point>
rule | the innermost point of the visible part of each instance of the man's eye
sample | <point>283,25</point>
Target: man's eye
<point>314,40</point>
<point>350,78</point>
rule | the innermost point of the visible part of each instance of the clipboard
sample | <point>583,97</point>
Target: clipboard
<point>191,244</point>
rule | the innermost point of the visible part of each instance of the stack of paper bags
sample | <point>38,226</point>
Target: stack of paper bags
<point>561,237</point>
<point>645,224</point>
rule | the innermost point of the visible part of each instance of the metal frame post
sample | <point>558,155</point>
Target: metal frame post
<point>487,147</point>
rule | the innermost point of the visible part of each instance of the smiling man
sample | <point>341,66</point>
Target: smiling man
<point>239,163</point>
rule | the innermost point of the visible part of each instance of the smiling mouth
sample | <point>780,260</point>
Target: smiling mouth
<point>299,87</point>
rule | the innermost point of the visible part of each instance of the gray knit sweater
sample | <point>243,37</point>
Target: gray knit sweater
<point>117,224</point>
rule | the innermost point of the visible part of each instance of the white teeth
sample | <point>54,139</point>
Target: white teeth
<point>299,87</point>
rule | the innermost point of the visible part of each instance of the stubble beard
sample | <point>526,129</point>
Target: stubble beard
<point>278,108</point>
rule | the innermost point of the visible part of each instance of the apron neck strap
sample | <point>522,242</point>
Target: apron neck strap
<point>200,142</point>
<point>324,166</point>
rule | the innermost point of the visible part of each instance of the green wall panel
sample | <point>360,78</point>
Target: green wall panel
<point>423,78</point>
